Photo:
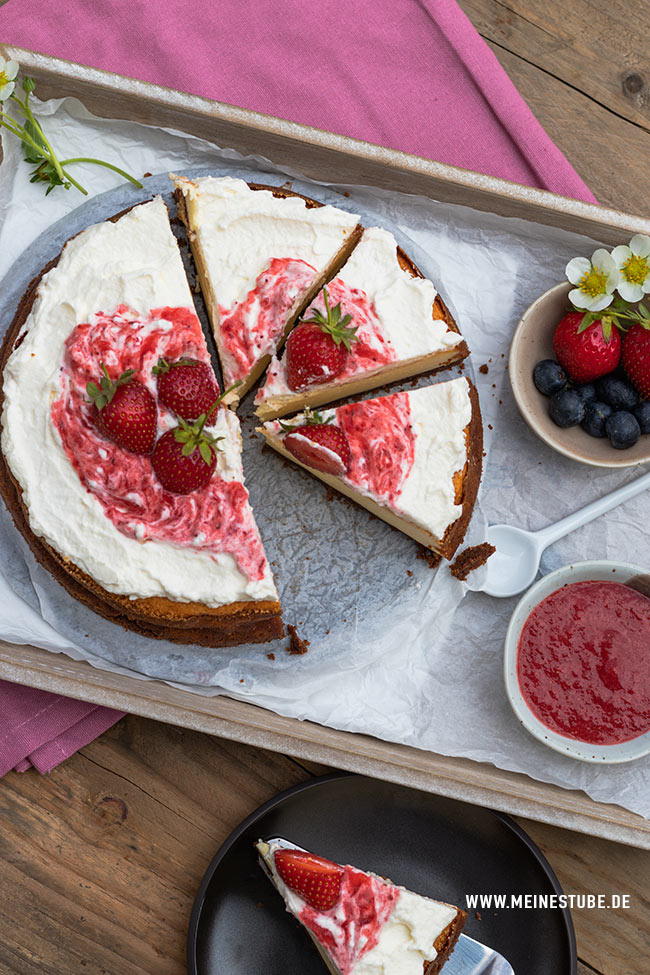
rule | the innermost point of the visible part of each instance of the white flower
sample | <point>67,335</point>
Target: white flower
<point>595,280</point>
<point>633,263</point>
<point>8,71</point>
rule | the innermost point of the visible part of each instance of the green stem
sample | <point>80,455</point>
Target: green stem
<point>65,175</point>
<point>107,165</point>
<point>25,106</point>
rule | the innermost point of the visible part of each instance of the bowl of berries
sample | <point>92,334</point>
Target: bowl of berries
<point>579,360</point>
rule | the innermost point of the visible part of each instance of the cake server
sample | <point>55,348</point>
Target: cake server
<point>470,957</point>
<point>514,565</point>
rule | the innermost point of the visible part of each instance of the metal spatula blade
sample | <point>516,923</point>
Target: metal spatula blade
<point>470,957</point>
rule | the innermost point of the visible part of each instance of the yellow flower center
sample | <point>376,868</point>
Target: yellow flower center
<point>3,79</point>
<point>593,282</point>
<point>636,269</point>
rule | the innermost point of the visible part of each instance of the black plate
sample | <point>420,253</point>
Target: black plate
<point>435,846</point>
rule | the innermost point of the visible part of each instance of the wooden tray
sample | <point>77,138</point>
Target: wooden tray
<point>327,157</point>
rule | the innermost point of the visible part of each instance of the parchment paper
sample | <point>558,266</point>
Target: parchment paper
<point>403,659</point>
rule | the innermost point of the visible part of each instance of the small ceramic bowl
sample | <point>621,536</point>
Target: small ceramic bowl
<point>609,571</point>
<point>533,341</point>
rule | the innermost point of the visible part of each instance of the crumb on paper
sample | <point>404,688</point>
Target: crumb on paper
<point>296,645</point>
<point>490,427</point>
<point>426,555</point>
<point>271,656</point>
<point>470,559</point>
<point>484,369</point>
<point>409,573</point>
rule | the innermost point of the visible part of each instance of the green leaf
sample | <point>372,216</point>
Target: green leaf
<point>31,155</point>
<point>206,452</point>
<point>188,449</point>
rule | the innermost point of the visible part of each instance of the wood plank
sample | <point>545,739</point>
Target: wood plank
<point>608,152</point>
<point>598,47</point>
<point>454,777</point>
<point>100,860</point>
<point>613,941</point>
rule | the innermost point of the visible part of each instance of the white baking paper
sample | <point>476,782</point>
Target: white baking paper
<point>409,658</point>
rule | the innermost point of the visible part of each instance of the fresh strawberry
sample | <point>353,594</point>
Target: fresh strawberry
<point>318,881</point>
<point>586,352</point>
<point>124,411</point>
<point>185,457</point>
<point>318,444</point>
<point>317,349</point>
<point>187,387</point>
<point>636,357</point>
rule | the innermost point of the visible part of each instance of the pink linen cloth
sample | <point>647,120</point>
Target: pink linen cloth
<point>410,74</point>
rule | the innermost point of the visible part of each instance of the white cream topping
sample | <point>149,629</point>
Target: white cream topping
<point>439,415</point>
<point>403,303</point>
<point>406,939</point>
<point>134,261</point>
<point>240,230</point>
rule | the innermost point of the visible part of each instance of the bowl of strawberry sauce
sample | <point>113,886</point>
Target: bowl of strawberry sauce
<point>577,661</point>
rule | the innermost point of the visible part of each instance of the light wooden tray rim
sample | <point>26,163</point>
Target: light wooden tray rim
<point>326,157</point>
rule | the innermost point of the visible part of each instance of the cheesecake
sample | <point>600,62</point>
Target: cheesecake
<point>413,459</point>
<point>262,254</point>
<point>361,924</point>
<point>188,567</point>
<point>398,327</point>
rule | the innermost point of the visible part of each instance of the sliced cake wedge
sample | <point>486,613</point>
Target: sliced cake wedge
<point>188,567</point>
<point>412,458</point>
<point>395,326</point>
<point>261,253</point>
<point>361,923</point>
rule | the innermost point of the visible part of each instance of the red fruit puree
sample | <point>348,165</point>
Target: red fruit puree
<point>352,926</point>
<point>216,518</point>
<point>584,662</point>
<point>381,442</point>
<point>251,327</point>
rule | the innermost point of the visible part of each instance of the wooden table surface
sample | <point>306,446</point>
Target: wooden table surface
<point>101,859</point>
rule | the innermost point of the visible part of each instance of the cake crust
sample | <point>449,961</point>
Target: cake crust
<point>157,617</point>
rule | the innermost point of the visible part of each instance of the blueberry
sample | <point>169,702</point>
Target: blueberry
<point>642,412</point>
<point>596,415</point>
<point>623,430</point>
<point>549,377</point>
<point>617,392</point>
<point>586,392</point>
<point>566,408</point>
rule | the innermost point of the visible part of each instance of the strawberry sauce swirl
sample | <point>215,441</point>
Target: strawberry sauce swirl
<point>352,927</point>
<point>252,326</point>
<point>216,518</point>
<point>381,442</point>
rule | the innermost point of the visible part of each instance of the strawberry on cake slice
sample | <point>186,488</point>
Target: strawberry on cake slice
<point>378,321</point>
<point>261,253</point>
<point>361,923</point>
<point>120,464</point>
<point>413,459</point>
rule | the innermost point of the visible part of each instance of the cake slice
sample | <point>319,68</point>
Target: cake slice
<point>261,253</point>
<point>188,567</point>
<point>397,327</point>
<point>361,923</point>
<point>413,458</point>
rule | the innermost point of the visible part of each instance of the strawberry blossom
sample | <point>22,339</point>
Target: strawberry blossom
<point>8,72</point>
<point>595,280</point>
<point>633,263</point>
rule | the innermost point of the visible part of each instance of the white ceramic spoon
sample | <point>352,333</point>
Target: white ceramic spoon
<point>514,565</point>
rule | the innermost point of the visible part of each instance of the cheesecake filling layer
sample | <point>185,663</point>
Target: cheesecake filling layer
<point>241,234</point>
<point>406,449</point>
<point>131,263</point>
<point>392,309</point>
<point>375,928</point>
